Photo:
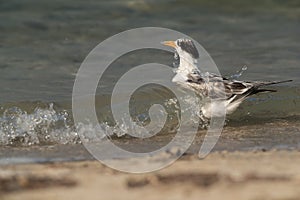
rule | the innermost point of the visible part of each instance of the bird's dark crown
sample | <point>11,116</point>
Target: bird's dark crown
<point>188,46</point>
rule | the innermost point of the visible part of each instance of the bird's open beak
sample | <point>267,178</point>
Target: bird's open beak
<point>169,43</point>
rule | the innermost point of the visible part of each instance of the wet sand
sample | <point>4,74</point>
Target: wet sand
<point>221,175</point>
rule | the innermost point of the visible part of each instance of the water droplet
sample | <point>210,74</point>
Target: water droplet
<point>176,56</point>
<point>239,73</point>
<point>244,68</point>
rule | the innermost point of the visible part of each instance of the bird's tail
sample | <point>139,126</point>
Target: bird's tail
<point>262,84</point>
<point>265,83</point>
<point>235,100</point>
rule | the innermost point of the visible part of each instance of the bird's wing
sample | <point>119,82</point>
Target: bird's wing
<point>216,86</point>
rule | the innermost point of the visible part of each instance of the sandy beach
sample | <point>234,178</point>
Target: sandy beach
<point>222,175</point>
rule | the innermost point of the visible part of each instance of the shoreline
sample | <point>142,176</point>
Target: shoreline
<point>277,135</point>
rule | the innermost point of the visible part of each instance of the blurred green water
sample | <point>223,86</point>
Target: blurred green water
<point>42,43</point>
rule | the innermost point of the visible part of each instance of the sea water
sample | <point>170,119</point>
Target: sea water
<point>43,44</point>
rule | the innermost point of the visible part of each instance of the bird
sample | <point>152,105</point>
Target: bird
<point>230,92</point>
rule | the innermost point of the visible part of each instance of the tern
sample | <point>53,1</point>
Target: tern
<point>230,92</point>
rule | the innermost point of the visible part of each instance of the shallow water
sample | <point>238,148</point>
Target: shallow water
<point>43,44</point>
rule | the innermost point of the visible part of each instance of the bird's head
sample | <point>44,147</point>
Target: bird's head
<point>184,47</point>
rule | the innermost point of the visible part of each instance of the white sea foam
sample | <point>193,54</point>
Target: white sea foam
<point>43,126</point>
<point>48,126</point>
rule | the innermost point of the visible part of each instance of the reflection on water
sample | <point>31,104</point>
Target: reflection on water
<point>44,42</point>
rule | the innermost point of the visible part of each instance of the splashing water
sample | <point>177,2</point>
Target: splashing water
<point>177,60</point>
<point>43,126</point>
<point>239,73</point>
<point>46,126</point>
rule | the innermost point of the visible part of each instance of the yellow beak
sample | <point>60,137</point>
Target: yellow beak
<point>169,43</point>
